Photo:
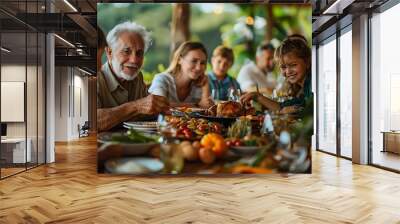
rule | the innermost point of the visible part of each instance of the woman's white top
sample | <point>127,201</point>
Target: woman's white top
<point>164,84</point>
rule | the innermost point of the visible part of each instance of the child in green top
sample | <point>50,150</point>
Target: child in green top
<point>294,57</point>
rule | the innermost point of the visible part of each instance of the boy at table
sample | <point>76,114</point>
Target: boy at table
<point>219,81</point>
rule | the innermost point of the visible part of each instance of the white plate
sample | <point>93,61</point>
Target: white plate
<point>129,149</point>
<point>245,150</point>
<point>147,130</point>
<point>142,124</point>
<point>138,165</point>
<point>142,128</point>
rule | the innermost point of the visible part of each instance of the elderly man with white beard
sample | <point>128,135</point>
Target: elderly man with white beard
<point>121,92</point>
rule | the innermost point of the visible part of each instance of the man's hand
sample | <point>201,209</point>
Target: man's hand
<point>152,104</point>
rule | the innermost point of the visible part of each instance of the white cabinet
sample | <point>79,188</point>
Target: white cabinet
<point>15,148</point>
<point>391,142</point>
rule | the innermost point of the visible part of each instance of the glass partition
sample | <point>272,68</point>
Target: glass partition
<point>14,145</point>
<point>41,86</point>
<point>22,89</point>
<point>31,97</point>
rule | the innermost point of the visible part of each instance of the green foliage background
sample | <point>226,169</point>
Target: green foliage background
<point>206,26</point>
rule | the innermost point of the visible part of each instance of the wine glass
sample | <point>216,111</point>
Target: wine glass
<point>170,154</point>
<point>165,129</point>
<point>267,126</point>
<point>234,94</point>
<point>214,96</point>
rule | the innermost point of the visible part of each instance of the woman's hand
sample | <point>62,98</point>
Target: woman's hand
<point>264,101</point>
<point>247,97</point>
<point>206,103</point>
<point>201,81</point>
<point>290,110</point>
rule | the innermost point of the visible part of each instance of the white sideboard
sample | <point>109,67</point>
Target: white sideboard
<point>18,149</point>
<point>391,141</point>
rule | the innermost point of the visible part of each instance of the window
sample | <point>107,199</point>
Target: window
<point>314,90</point>
<point>385,87</point>
<point>327,96</point>
<point>346,75</point>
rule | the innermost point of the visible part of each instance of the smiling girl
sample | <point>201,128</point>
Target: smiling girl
<point>294,57</point>
<point>184,83</point>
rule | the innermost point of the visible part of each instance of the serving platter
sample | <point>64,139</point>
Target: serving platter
<point>187,111</point>
<point>226,121</point>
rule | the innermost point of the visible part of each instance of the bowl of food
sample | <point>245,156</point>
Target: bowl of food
<point>245,150</point>
<point>193,128</point>
<point>226,112</point>
<point>249,145</point>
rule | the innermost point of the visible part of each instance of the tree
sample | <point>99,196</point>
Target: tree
<point>180,31</point>
<point>270,22</point>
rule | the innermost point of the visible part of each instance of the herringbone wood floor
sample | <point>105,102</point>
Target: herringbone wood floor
<point>70,191</point>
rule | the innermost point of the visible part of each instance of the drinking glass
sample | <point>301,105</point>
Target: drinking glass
<point>234,95</point>
<point>267,126</point>
<point>214,96</point>
<point>170,154</point>
<point>165,129</point>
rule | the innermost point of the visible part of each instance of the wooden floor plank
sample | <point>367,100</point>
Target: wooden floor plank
<point>70,191</point>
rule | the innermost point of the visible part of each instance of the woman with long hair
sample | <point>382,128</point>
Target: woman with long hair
<point>185,83</point>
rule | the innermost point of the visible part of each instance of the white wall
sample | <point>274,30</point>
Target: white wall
<point>81,108</point>
<point>71,94</point>
<point>61,103</point>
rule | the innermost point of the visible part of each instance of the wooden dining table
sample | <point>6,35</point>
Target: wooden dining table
<point>223,165</point>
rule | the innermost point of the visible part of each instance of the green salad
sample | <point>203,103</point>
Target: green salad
<point>133,136</point>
